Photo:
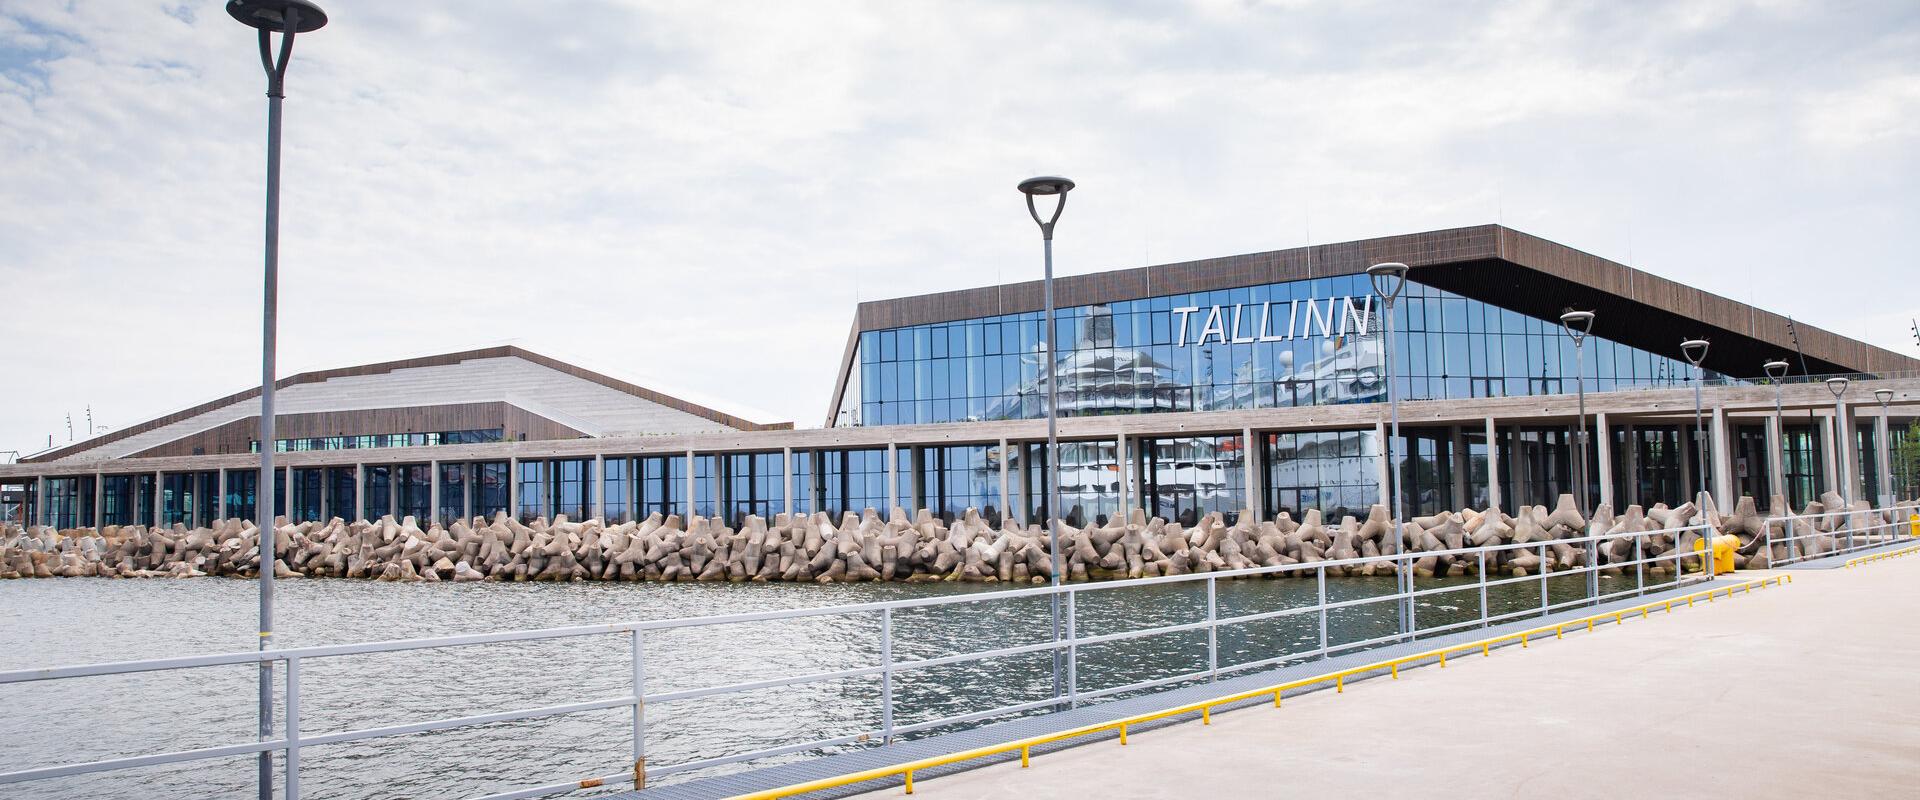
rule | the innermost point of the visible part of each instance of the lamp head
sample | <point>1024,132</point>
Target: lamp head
<point>1577,324</point>
<point>1695,350</point>
<point>1046,184</point>
<point>1042,186</point>
<point>1388,279</point>
<point>1838,386</point>
<point>1885,396</point>
<point>1776,369</point>
<point>271,15</point>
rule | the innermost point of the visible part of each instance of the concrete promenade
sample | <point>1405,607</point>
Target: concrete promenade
<point>1804,690</point>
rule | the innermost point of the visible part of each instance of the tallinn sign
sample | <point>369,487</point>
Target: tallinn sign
<point>1245,323</point>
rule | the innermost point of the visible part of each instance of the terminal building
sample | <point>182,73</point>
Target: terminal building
<point>1245,384</point>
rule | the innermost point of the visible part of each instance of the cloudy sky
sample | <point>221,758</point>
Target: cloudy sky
<point>695,195</point>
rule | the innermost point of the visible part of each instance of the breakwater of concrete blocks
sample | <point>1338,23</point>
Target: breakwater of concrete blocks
<point>900,547</point>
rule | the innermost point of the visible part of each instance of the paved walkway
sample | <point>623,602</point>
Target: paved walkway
<point>1799,691</point>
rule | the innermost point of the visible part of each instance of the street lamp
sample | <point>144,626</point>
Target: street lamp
<point>1059,187</point>
<point>1838,386</point>
<point>1577,324</point>
<point>1696,351</point>
<point>287,17</point>
<point>1777,373</point>
<point>1389,279</point>
<point>1883,458</point>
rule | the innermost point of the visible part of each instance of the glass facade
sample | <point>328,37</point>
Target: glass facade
<point>343,493</point>
<point>384,440</point>
<point>308,485</point>
<point>453,493</point>
<point>413,486</point>
<point>954,479</point>
<point>490,493</point>
<point>1313,342</point>
<point>376,493</point>
<point>753,486</point>
<point>240,492</point>
<point>617,477</point>
<point>532,484</point>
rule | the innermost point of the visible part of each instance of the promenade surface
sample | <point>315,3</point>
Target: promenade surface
<point>1800,691</point>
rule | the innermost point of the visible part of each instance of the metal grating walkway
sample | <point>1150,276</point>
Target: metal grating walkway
<point>1839,560</point>
<point>773,777</point>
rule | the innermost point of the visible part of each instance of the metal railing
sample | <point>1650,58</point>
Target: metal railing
<point>1338,678</point>
<point>1485,559</point>
<point>1811,536</point>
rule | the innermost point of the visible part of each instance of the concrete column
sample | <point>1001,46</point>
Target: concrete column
<point>100,487</point>
<point>693,483</point>
<point>326,493</point>
<point>220,501</point>
<point>1380,465</point>
<point>1832,455</point>
<point>1688,450</point>
<point>893,477</point>
<point>1250,466</point>
<point>1006,507</point>
<point>1883,460</point>
<point>1776,462</point>
<point>786,477</point>
<point>39,501</point>
<point>159,491</point>
<point>513,487</point>
<point>599,487</point>
<point>1604,438</point>
<point>393,491</point>
<point>360,492</point>
<point>1493,464</point>
<point>1126,474</point>
<point>1462,465</point>
<point>1719,445</point>
<point>1633,468</point>
<point>433,493</point>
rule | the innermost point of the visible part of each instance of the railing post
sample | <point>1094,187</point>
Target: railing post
<point>1792,548</point>
<point>1073,655</point>
<point>293,728</point>
<point>639,713</point>
<point>1543,579</point>
<point>886,675</point>
<point>1403,565</point>
<point>1593,571</point>
<point>1213,633</point>
<point>1847,520</point>
<point>1482,553</point>
<point>1639,566</point>
<point>1321,580</point>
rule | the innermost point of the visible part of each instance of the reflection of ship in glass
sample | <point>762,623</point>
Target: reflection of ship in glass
<point>1347,371</point>
<point>1095,378</point>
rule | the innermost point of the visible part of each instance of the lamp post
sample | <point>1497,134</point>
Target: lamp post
<point>1696,352</point>
<point>1389,279</point>
<point>1041,187</point>
<point>1838,386</point>
<point>1883,460</point>
<point>1577,324</point>
<point>1777,373</point>
<point>286,17</point>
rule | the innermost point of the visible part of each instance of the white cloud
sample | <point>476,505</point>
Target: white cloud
<point>697,194</point>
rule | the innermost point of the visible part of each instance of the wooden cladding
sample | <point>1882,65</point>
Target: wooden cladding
<point>238,436</point>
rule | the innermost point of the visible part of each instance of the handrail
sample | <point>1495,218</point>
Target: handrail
<point>1277,691</point>
<point>393,645</point>
<point>293,740</point>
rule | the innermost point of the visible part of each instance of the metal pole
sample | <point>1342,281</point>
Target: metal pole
<point>886,675</point>
<point>1051,475</point>
<point>1699,432</point>
<point>269,535</point>
<point>1073,655</point>
<point>1402,577</point>
<point>1320,580</point>
<point>1482,553</point>
<point>1780,445</point>
<point>293,729</point>
<point>639,713</point>
<point>1580,474</point>
<point>1213,631</point>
